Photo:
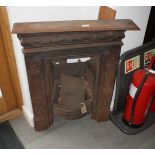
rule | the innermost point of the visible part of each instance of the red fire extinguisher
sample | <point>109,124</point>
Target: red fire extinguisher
<point>141,97</point>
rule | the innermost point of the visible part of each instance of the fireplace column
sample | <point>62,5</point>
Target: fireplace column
<point>108,67</point>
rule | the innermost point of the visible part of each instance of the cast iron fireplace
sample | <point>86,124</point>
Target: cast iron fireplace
<point>71,67</point>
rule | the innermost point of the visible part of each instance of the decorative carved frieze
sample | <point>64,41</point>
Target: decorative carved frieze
<point>50,40</point>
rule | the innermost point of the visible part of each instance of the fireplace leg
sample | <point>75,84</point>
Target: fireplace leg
<point>43,112</point>
<point>108,68</point>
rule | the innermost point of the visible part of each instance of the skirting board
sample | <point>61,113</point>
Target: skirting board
<point>28,116</point>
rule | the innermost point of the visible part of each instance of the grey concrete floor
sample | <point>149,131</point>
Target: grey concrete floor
<point>81,134</point>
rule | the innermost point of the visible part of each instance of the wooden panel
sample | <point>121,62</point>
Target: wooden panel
<point>3,107</point>
<point>5,79</point>
<point>10,115</point>
<point>106,13</point>
<point>70,26</point>
<point>7,42</point>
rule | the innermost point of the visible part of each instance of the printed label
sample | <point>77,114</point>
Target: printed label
<point>132,64</point>
<point>148,56</point>
<point>83,108</point>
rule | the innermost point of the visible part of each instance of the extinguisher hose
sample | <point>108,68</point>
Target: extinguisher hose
<point>136,96</point>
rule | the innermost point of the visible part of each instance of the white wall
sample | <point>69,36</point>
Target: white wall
<point>27,14</point>
<point>140,16</point>
<point>1,93</point>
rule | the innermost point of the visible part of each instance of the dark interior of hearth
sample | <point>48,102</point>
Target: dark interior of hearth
<point>73,88</point>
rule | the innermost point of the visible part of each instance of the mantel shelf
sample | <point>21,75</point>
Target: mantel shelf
<point>74,26</point>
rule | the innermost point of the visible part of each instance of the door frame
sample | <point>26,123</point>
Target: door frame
<point>7,42</point>
<point>150,30</point>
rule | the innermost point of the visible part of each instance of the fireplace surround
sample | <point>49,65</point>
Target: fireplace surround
<point>71,66</point>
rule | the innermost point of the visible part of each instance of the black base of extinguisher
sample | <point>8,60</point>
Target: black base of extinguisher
<point>132,125</point>
<point>132,129</point>
<point>123,81</point>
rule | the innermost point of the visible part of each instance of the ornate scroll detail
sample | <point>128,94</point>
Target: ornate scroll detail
<point>33,68</point>
<point>48,39</point>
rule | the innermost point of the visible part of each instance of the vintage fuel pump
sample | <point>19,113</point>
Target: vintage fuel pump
<point>140,99</point>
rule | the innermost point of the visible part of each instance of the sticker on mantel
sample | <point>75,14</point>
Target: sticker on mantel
<point>147,57</point>
<point>132,64</point>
